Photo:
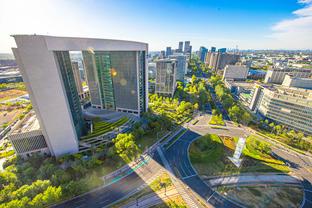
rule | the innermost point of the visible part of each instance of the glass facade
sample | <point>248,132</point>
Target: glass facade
<point>105,72</point>
<point>90,69</point>
<point>117,79</point>
<point>142,81</point>
<point>65,67</point>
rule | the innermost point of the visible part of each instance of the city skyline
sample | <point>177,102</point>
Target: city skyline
<point>257,25</point>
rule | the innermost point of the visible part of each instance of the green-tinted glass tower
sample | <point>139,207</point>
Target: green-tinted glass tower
<point>65,67</point>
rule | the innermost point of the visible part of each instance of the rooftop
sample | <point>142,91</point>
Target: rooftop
<point>29,123</point>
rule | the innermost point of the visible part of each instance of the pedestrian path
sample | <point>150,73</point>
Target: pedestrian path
<point>254,179</point>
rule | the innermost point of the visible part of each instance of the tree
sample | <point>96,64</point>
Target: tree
<point>246,118</point>
<point>193,79</point>
<point>278,129</point>
<point>234,113</point>
<point>126,147</point>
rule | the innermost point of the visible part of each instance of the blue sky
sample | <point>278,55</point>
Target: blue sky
<point>250,24</point>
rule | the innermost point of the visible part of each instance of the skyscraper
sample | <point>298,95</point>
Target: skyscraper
<point>165,77</point>
<point>187,47</point>
<point>202,53</point>
<point>181,66</point>
<point>116,72</point>
<point>168,51</point>
<point>77,77</point>
<point>180,49</point>
<point>222,50</point>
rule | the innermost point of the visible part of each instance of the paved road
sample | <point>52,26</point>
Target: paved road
<point>218,103</point>
<point>102,197</point>
<point>177,155</point>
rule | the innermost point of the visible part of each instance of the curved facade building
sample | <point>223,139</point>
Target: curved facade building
<point>116,75</point>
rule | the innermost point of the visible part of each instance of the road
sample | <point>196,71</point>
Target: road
<point>104,196</point>
<point>218,103</point>
<point>177,156</point>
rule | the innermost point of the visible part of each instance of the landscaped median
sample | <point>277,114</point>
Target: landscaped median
<point>209,156</point>
<point>160,191</point>
<point>216,120</point>
<point>101,127</point>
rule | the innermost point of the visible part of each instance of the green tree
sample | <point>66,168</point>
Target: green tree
<point>246,118</point>
<point>234,113</point>
<point>126,147</point>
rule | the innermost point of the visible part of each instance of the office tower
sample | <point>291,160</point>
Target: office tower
<point>180,49</point>
<point>219,60</point>
<point>77,78</point>
<point>180,65</point>
<point>222,50</point>
<point>187,47</point>
<point>168,51</point>
<point>291,107</point>
<point>165,77</point>
<point>116,72</point>
<point>152,70</point>
<point>213,49</point>
<point>202,53</point>
<point>162,54</point>
<point>277,75</point>
<point>235,72</point>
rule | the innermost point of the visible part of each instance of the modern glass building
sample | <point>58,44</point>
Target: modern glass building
<point>165,77</point>
<point>116,75</point>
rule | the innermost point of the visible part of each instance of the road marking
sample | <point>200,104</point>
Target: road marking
<point>186,177</point>
<point>210,196</point>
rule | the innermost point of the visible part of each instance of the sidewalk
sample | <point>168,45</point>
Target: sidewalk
<point>254,179</point>
<point>153,199</point>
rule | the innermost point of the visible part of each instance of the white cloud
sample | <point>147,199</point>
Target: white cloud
<point>295,33</point>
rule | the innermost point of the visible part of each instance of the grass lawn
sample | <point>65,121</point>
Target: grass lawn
<point>266,196</point>
<point>149,139</point>
<point>102,127</point>
<point>209,155</point>
<point>216,120</point>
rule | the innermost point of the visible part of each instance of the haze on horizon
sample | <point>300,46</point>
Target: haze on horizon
<point>261,24</point>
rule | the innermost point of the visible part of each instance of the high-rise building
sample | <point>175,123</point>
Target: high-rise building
<point>168,51</point>
<point>277,75</point>
<point>180,65</point>
<point>77,78</point>
<point>222,50</point>
<point>116,72</point>
<point>187,45</point>
<point>219,60</point>
<point>180,49</point>
<point>165,77</point>
<point>152,70</point>
<point>202,53</point>
<point>289,106</point>
<point>162,54</point>
<point>213,49</point>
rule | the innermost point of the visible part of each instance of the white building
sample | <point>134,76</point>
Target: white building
<point>291,81</point>
<point>45,65</point>
<point>277,75</point>
<point>235,72</point>
<point>291,107</point>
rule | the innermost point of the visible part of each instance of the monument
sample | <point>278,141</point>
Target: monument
<point>238,151</point>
